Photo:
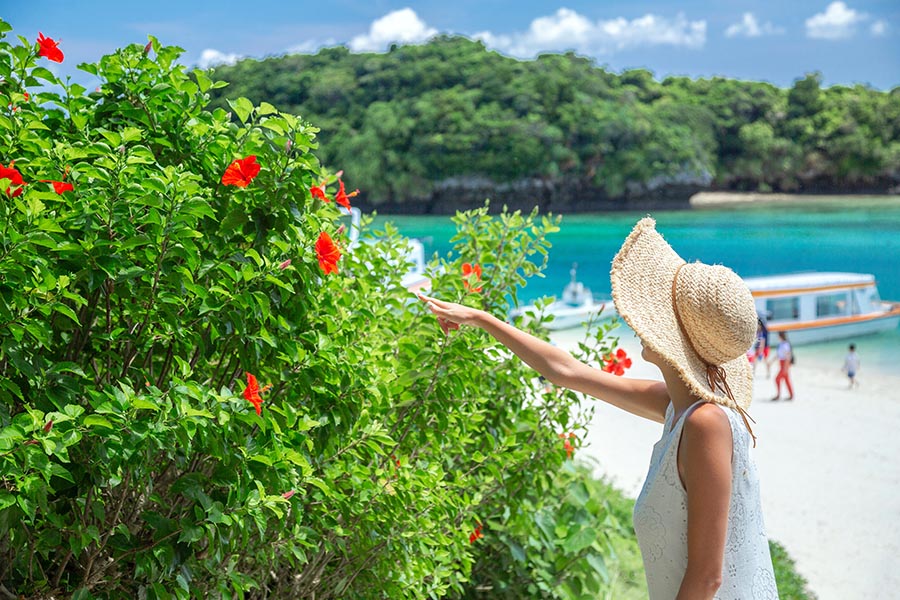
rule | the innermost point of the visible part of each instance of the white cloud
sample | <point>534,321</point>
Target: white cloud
<point>836,23</point>
<point>750,27</point>
<point>568,30</point>
<point>402,26</point>
<point>879,28</point>
<point>211,57</point>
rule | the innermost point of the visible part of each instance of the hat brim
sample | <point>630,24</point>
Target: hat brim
<point>642,275</point>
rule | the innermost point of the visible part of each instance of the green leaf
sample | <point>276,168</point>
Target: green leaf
<point>261,458</point>
<point>67,312</point>
<point>267,109</point>
<point>45,74</point>
<point>141,404</point>
<point>6,499</point>
<point>93,421</point>
<point>242,107</point>
<point>580,540</point>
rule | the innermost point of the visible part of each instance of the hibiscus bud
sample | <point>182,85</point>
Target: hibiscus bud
<point>287,495</point>
<point>340,230</point>
<point>121,150</point>
<point>287,146</point>
<point>48,426</point>
<point>285,264</point>
<point>30,443</point>
<point>147,48</point>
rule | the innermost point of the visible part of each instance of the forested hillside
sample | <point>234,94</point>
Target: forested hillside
<point>441,126</point>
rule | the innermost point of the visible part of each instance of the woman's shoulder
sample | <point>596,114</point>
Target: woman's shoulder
<point>707,421</point>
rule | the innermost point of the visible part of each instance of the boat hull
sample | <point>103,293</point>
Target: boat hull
<point>811,332</point>
<point>570,318</point>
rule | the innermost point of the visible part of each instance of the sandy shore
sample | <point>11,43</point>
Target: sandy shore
<point>703,199</point>
<point>829,471</point>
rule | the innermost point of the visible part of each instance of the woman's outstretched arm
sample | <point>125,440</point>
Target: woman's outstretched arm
<point>641,397</point>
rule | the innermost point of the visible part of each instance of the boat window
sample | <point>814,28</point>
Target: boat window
<point>854,299</point>
<point>831,305</point>
<point>783,309</point>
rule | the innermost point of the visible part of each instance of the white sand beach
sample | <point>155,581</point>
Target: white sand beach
<point>828,465</point>
<point>709,199</point>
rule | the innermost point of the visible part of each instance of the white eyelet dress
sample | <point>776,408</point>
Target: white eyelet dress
<point>660,521</point>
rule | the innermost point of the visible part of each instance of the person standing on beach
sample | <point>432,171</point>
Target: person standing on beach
<point>785,355</point>
<point>698,518</point>
<point>851,365</point>
<point>761,350</point>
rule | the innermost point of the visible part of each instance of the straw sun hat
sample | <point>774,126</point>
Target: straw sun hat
<point>699,318</point>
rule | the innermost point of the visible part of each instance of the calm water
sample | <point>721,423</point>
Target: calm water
<point>841,234</point>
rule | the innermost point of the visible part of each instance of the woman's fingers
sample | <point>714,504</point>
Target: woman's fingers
<point>434,305</point>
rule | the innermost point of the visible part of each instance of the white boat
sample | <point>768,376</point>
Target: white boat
<point>415,279</point>
<point>816,307</point>
<point>576,306</point>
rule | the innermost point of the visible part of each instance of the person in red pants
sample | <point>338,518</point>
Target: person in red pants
<point>785,354</point>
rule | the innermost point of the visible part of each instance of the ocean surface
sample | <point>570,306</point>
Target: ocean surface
<point>838,234</point>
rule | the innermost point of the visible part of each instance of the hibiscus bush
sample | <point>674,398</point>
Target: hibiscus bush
<point>208,390</point>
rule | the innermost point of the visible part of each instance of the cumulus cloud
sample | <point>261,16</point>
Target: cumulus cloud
<point>211,57</point>
<point>568,30</point>
<point>750,27</point>
<point>836,23</point>
<point>402,26</point>
<point>879,28</point>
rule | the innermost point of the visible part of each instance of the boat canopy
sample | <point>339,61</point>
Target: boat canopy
<point>800,282</point>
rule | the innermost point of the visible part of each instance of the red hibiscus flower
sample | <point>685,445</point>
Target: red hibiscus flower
<point>471,277</point>
<point>567,445</point>
<point>328,253</point>
<point>15,178</point>
<point>251,393</point>
<point>318,191</point>
<point>616,363</point>
<point>343,198</point>
<point>241,172</point>
<point>476,534</point>
<point>49,48</point>
<point>60,187</point>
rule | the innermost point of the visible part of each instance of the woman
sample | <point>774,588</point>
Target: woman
<point>785,355</point>
<point>698,518</point>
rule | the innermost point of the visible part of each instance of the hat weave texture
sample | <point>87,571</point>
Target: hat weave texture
<point>715,322</point>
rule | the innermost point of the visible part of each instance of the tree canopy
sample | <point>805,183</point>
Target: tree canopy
<point>419,118</point>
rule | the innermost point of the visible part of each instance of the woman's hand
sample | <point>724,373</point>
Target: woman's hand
<point>451,315</point>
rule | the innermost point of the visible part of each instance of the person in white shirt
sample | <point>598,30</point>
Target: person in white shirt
<point>851,366</point>
<point>785,355</point>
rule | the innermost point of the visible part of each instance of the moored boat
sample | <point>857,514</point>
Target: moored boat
<point>821,306</point>
<point>576,306</point>
<point>415,279</point>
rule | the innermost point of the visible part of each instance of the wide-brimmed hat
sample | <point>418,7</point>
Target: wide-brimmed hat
<point>699,318</point>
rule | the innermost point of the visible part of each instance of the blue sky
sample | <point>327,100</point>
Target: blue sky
<point>851,41</point>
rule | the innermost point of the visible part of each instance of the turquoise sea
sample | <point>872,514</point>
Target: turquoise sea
<point>837,234</point>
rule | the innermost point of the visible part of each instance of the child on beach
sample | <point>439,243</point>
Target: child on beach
<point>851,366</point>
<point>698,518</point>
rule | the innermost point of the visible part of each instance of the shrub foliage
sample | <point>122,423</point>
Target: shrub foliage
<point>133,305</point>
